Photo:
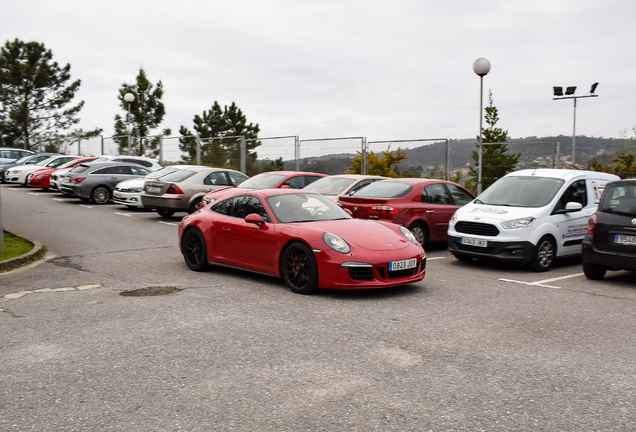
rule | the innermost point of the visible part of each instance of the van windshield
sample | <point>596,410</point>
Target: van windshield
<point>521,191</point>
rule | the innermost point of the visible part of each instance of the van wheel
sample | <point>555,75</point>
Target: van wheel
<point>593,271</point>
<point>543,255</point>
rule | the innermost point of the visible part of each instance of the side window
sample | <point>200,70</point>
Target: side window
<point>224,207</point>
<point>310,180</point>
<point>123,170</point>
<point>237,178</point>
<point>247,204</point>
<point>576,192</point>
<point>139,171</point>
<point>297,182</point>
<point>216,178</point>
<point>435,194</point>
<point>460,196</point>
<point>108,170</point>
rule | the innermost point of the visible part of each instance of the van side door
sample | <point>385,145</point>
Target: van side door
<point>572,225</point>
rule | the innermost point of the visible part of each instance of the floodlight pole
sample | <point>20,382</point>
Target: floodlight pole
<point>574,121</point>
<point>481,67</point>
<point>129,97</point>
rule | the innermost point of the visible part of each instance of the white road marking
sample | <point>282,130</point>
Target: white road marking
<point>542,283</point>
<point>434,258</point>
<point>20,294</point>
<point>122,214</point>
<point>168,223</point>
<point>82,205</point>
<point>14,188</point>
<point>34,193</point>
<point>63,199</point>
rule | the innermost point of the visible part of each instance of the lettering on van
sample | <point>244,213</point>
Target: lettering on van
<point>489,210</point>
<point>575,230</point>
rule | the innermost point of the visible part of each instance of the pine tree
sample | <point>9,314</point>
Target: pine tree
<point>146,113</point>
<point>35,95</point>
<point>495,162</point>
<point>220,130</point>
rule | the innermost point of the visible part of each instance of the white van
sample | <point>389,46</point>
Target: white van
<point>530,216</point>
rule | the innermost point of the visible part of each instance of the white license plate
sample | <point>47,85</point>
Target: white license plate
<point>402,265</point>
<point>154,189</point>
<point>625,240</point>
<point>473,241</point>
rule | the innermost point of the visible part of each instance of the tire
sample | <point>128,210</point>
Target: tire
<point>165,213</point>
<point>193,206</point>
<point>299,269</point>
<point>419,231</point>
<point>543,255</point>
<point>194,251</point>
<point>100,195</point>
<point>593,272</point>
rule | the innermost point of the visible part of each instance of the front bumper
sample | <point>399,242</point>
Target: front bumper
<point>130,199</point>
<point>515,251</point>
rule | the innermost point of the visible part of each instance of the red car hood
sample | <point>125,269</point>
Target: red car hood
<point>370,235</point>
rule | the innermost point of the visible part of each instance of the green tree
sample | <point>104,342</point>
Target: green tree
<point>62,143</point>
<point>35,95</point>
<point>146,113</point>
<point>382,166</point>
<point>496,163</point>
<point>220,130</point>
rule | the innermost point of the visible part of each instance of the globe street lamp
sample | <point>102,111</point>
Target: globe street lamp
<point>128,98</point>
<point>481,68</point>
<point>569,94</point>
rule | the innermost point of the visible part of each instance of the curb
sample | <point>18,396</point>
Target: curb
<point>38,251</point>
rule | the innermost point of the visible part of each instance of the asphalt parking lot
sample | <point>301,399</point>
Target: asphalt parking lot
<point>474,346</point>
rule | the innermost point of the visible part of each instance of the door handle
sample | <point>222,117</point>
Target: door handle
<point>226,229</point>
<point>430,211</point>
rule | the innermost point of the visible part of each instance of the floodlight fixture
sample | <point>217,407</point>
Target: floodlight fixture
<point>558,91</point>
<point>593,89</point>
<point>570,90</point>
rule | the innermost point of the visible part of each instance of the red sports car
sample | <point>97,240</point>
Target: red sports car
<point>42,177</point>
<point>423,205</point>
<point>302,237</point>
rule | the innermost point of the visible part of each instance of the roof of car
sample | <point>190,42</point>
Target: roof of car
<point>562,173</point>
<point>94,166</point>
<point>289,173</point>
<point>416,180</point>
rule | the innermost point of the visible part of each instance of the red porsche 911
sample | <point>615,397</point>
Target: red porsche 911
<point>303,238</point>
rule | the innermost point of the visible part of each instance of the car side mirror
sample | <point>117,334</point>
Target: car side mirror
<point>348,211</point>
<point>573,207</point>
<point>255,219</point>
<point>284,187</point>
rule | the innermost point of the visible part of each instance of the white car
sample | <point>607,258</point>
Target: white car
<point>151,164</point>
<point>530,216</point>
<point>128,192</point>
<point>342,184</point>
<point>18,174</point>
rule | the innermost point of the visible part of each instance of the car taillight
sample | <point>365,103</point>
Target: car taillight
<point>591,224</point>
<point>383,209</point>
<point>77,180</point>
<point>174,189</point>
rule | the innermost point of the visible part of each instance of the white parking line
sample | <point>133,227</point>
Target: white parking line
<point>63,199</point>
<point>11,188</point>
<point>168,223</point>
<point>34,193</point>
<point>123,214</point>
<point>82,205</point>
<point>434,258</point>
<point>542,283</point>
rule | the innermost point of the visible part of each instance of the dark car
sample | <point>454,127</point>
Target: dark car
<point>424,206</point>
<point>26,160</point>
<point>610,242</point>
<point>96,181</point>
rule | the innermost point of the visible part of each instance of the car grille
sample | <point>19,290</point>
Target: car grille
<point>471,248</point>
<point>476,228</point>
<point>361,273</point>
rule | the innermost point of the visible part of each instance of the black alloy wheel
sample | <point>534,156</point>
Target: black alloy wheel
<point>299,269</point>
<point>419,232</point>
<point>100,195</point>
<point>194,251</point>
<point>165,213</point>
<point>543,255</point>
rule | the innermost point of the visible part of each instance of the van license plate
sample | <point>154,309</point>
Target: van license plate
<point>402,265</point>
<point>473,242</point>
<point>625,240</point>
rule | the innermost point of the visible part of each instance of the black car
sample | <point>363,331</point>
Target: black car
<point>610,242</point>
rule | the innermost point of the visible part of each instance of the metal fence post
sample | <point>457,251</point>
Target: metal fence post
<point>448,169</point>
<point>243,156</point>
<point>160,149</point>
<point>364,157</point>
<point>297,152</point>
<point>198,149</point>
<point>558,152</point>
<point>101,138</point>
<point>79,146</point>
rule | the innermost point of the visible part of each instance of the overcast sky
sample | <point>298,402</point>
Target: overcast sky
<point>398,69</point>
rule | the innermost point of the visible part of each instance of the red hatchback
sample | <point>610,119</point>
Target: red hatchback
<point>42,177</point>
<point>424,206</point>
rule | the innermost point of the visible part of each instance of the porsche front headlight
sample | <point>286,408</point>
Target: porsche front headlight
<point>336,243</point>
<point>408,234</point>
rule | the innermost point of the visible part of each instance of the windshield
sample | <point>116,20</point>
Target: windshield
<point>385,189</point>
<point>330,185</point>
<point>71,163</point>
<point>289,208</point>
<point>619,199</point>
<point>162,172</point>
<point>262,181</point>
<point>22,159</point>
<point>521,191</point>
<point>102,159</point>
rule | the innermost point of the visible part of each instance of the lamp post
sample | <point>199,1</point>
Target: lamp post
<point>569,94</point>
<point>128,98</point>
<point>481,68</point>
